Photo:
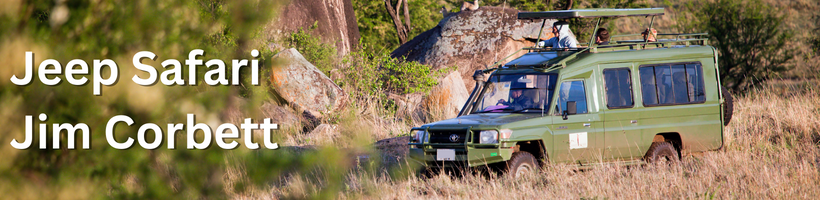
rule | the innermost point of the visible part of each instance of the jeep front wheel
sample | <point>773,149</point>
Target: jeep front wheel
<point>661,152</point>
<point>521,163</point>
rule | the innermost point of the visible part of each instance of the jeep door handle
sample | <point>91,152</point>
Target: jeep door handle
<point>587,124</point>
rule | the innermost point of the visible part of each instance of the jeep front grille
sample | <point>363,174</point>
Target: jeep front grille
<point>447,136</point>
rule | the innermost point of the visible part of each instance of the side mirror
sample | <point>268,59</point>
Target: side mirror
<point>571,110</point>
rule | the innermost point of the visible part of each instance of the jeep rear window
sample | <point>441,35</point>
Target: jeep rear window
<point>525,93</point>
<point>672,84</point>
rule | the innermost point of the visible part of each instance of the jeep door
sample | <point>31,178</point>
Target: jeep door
<point>577,136</point>
<point>622,134</point>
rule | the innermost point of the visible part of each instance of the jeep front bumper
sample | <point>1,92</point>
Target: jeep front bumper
<point>467,154</point>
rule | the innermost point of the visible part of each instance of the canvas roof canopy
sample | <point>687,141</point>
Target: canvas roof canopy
<point>591,13</point>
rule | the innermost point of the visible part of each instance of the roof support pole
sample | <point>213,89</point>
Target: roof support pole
<point>594,32</point>
<point>539,32</point>
<point>652,22</point>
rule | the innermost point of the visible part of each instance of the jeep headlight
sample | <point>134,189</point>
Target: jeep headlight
<point>492,136</point>
<point>488,137</point>
<point>418,135</point>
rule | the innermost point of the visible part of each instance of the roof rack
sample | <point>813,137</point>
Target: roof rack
<point>591,13</point>
<point>684,39</point>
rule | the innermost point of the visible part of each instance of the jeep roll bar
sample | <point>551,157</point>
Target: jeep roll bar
<point>685,39</point>
<point>590,13</point>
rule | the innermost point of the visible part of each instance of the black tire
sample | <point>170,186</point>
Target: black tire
<point>661,151</point>
<point>728,105</point>
<point>521,163</point>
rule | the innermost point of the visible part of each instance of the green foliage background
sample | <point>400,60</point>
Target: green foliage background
<point>117,29</point>
<point>750,38</point>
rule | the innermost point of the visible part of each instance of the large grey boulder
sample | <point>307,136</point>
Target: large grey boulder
<point>472,40</point>
<point>303,86</point>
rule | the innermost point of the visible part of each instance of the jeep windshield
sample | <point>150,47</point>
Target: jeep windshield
<point>516,93</point>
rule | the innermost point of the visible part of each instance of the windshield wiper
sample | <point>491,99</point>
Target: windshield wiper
<point>494,110</point>
<point>527,109</point>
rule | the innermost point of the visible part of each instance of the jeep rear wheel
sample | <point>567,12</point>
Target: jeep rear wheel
<point>521,163</point>
<point>661,152</point>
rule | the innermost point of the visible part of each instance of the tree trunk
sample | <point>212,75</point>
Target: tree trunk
<point>407,17</point>
<point>402,29</point>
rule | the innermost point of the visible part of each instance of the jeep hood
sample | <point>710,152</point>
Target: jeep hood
<point>483,119</point>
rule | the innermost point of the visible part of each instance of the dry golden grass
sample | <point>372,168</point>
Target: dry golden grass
<point>772,151</point>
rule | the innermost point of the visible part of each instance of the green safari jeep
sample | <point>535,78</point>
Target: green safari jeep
<point>630,101</point>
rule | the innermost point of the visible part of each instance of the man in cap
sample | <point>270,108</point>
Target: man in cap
<point>518,101</point>
<point>563,37</point>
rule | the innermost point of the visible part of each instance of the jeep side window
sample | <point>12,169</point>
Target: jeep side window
<point>672,84</point>
<point>618,84</point>
<point>663,80</point>
<point>649,90</point>
<point>572,91</point>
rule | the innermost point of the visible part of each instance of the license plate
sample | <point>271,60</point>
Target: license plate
<point>445,154</point>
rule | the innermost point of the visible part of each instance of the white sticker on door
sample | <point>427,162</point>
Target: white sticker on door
<point>578,140</point>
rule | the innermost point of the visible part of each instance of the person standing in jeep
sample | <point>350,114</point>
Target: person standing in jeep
<point>563,37</point>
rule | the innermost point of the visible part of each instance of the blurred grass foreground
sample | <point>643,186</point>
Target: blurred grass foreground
<point>117,29</point>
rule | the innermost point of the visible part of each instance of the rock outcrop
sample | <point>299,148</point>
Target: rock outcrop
<point>323,134</point>
<point>447,98</point>
<point>282,116</point>
<point>303,86</point>
<point>335,20</point>
<point>444,101</point>
<point>473,40</point>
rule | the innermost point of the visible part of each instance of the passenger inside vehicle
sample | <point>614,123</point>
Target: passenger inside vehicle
<point>517,93</point>
<point>648,89</point>
<point>602,37</point>
<point>680,83</point>
<point>518,100</point>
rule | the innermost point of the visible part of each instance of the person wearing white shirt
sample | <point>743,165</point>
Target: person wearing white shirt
<point>563,37</point>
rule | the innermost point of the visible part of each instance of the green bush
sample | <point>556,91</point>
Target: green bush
<point>372,73</point>
<point>318,53</point>
<point>750,38</point>
<point>408,77</point>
